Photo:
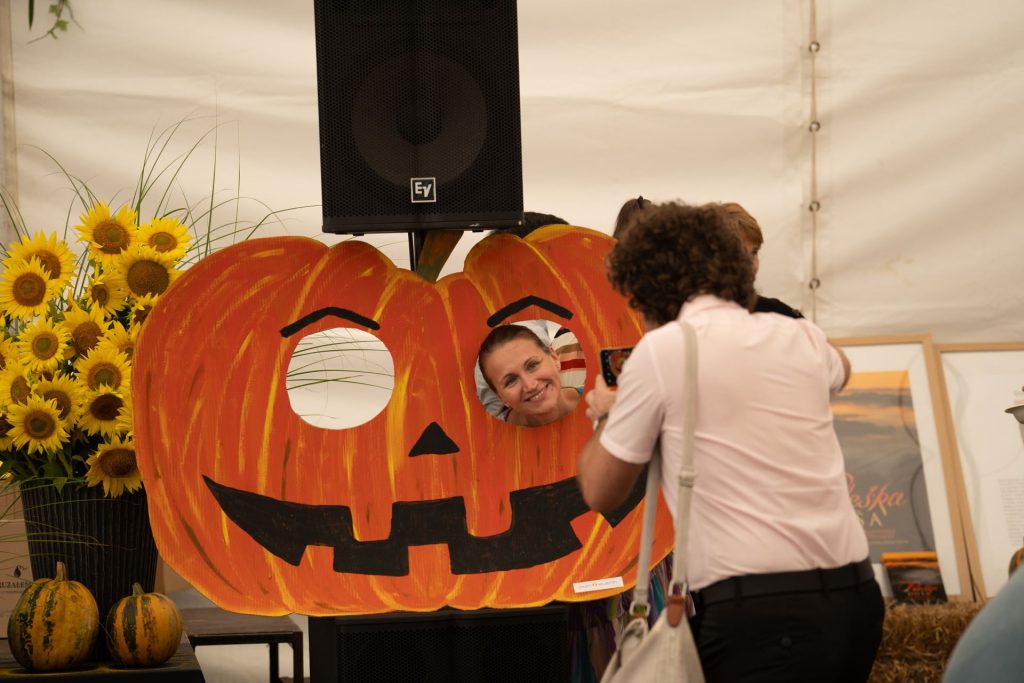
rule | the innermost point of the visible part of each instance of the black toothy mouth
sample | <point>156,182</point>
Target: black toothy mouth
<point>540,531</point>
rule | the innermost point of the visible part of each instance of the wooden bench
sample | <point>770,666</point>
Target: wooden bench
<point>215,626</point>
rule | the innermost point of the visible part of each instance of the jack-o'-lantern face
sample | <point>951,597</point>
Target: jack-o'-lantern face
<point>430,503</point>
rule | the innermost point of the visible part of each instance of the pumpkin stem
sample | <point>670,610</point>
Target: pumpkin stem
<point>62,572</point>
<point>137,590</point>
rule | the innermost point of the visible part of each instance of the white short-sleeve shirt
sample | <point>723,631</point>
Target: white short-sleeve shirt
<point>771,492</point>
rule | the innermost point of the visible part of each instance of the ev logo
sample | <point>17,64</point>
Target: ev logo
<point>423,190</point>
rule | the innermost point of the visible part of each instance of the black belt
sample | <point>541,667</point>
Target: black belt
<point>754,585</point>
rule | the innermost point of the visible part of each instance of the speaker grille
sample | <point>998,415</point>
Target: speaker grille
<point>443,647</point>
<point>418,89</point>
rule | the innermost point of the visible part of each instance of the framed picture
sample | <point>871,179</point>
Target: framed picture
<point>905,484</point>
<point>982,381</point>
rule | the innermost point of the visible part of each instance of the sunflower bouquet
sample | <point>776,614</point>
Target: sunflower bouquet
<point>70,326</point>
<point>73,304</point>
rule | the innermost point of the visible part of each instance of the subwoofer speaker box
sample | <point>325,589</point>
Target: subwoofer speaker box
<point>448,646</point>
<point>419,114</point>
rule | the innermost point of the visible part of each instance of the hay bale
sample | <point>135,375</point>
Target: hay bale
<point>918,639</point>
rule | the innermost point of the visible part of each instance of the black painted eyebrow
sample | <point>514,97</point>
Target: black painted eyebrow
<point>505,311</point>
<point>289,330</point>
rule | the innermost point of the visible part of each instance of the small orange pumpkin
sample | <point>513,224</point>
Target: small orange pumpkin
<point>432,502</point>
<point>54,624</point>
<point>143,629</point>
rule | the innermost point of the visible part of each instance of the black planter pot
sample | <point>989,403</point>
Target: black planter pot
<point>106,543</point>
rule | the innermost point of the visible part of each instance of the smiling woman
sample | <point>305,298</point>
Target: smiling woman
<point>525,373</point>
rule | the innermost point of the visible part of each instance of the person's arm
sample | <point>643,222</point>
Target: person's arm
<point>604,479</point>
<point>846,365</point>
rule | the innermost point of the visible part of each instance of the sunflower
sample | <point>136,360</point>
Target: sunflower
<point>107,235</point>
<point>166,236</point>
<point>100,410</point>
<point>142,308</point>
<point>41,345</point>
<point>104,367</point>
<point>6,441</point>
<point>107,293</point>
<point>114,465</point>
<point>146,272</point>
<point>65,393</point>
<point>15,385</point>
<point>8,352</point>
<point>120,339</point>
<point>54,256</point>
<point>125,415</point>
<point>26,289</point>
<point>36,425</point>
<point>86,327</point>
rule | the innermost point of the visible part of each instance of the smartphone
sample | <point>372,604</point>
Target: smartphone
<point>612,361</point>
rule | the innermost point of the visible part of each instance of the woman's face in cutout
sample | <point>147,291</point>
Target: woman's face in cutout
<point>525,377</point>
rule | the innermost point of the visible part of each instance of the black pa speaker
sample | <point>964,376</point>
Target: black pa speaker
<point>419,114</point>
<point>449,646</point>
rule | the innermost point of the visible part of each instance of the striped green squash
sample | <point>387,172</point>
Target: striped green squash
<point>143,629</point>
<point>54,624</point>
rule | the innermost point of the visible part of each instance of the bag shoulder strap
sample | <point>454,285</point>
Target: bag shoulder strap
<point>687,477</point>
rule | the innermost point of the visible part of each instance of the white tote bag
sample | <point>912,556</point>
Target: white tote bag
<point>665,653</point>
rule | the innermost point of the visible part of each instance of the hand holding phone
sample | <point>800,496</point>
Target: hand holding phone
<point>612,361</point>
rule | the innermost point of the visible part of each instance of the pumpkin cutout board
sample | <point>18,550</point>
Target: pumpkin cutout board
<point>430,503</point>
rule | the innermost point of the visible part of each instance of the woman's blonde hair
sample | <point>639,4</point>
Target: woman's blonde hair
<point>745,225</point>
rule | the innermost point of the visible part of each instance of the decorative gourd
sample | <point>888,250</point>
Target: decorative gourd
<point>143,629</point>
<point>433,502</point>
<point>54,624</point>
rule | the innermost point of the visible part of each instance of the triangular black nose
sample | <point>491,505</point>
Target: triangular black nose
<point>433,441</point>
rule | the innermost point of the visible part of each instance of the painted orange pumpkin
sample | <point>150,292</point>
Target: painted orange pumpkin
<point>432,502</point>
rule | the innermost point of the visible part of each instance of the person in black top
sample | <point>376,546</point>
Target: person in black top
<point>751,236</point>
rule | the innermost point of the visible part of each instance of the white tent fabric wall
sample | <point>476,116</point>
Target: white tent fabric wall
<point>917,156</point>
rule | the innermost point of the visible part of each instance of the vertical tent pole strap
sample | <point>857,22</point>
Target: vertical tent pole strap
<point>8,140</point>
<point>813,126</point>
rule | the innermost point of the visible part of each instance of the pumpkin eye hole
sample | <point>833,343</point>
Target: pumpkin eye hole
<point>521,367</point>
<point>340,378</point>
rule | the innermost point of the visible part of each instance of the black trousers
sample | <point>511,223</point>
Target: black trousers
<point>823,635</point>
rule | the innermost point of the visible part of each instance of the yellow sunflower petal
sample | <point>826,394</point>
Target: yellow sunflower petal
<point>41,345</point>
<point>104,367</point>
<point>54,255</point>
<point>15,385</point>
<point>114,465</point>
<point>166,236</point>
<point>8,352</point>
<point>141,309</point>
<point>66,394</point>
<point>26,289</point>
<point>146,272</point>
<point>107,293</point>
<point>107,235</point>
<point>124,422</point>
<point>36,426</point>
<point>86,327</point>
<point>100,411</point>
<point>120,339</point>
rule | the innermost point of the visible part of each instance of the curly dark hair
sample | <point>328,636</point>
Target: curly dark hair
<point>671,253</point>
